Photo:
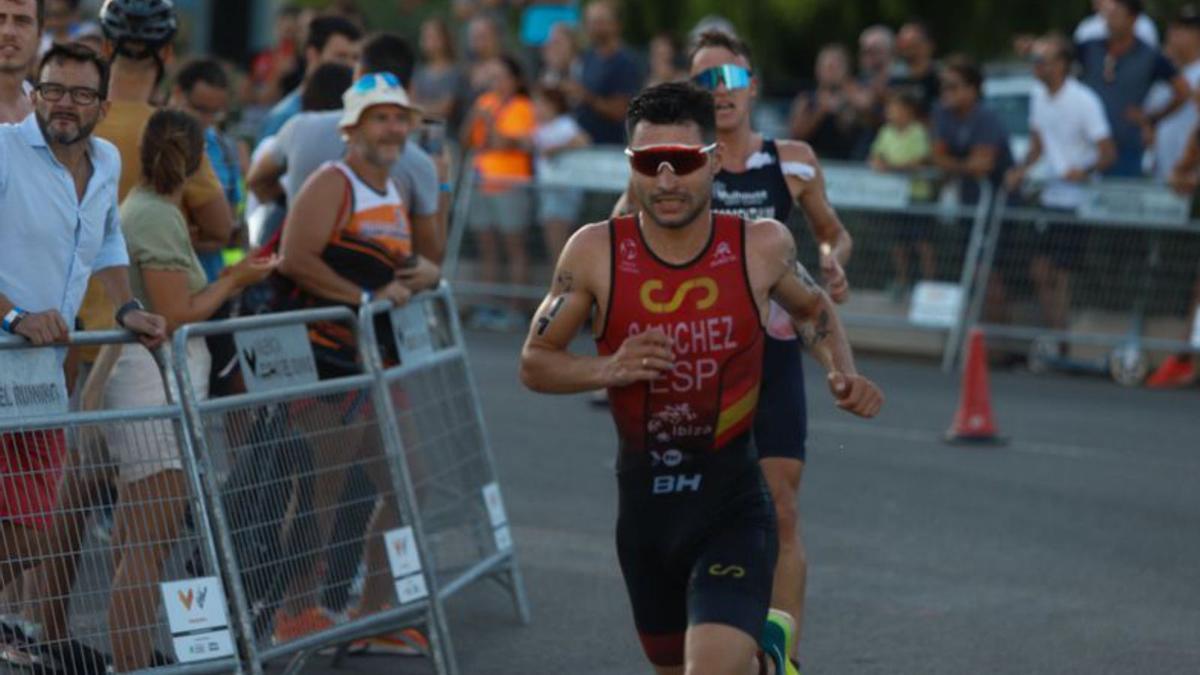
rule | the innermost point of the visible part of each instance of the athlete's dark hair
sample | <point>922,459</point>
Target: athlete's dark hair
<point>172,149</point>
<point>323,91</point>
<point>322,29</point>
<point>673,103</point>
<point>723,40</point>
<point>966,68</point>
<point>77,53</point>
<point>1134,7</point>
<point>388,53</point>
<point>208,71</point>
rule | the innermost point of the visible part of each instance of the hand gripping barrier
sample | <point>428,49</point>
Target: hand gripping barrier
<point>310,496</point>
<point>106,555</point>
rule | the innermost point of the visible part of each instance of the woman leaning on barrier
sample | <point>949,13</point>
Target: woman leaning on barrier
<point>153,492</point>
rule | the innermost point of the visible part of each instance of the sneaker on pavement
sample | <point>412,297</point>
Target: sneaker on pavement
<point>778,640</point>
<point>1177,371</point>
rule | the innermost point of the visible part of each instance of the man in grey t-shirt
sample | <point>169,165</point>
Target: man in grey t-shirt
<point>310,139</point>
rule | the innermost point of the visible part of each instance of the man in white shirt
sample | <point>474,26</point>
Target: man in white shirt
<point>1171,135</point>
<point>20,26</point>
<point>1068,126</point>
<point>1096,28</point>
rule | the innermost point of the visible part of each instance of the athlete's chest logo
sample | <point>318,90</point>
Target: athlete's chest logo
<point>703,289</point>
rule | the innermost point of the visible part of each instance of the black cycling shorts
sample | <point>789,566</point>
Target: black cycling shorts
<point>781,423</point>
<point>697,543</point>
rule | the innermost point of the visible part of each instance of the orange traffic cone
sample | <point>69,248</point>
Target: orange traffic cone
<point>973,423</point>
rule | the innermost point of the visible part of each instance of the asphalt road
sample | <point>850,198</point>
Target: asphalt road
<point>1075,549</point>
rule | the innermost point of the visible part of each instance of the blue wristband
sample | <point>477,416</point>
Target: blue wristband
<point>445,187</point>
<point>12,318</point>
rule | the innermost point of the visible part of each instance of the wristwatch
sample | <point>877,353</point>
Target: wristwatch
<point>11,320</point>
<point>126,308</point>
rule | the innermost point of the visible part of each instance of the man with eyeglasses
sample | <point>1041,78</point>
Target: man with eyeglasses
<point>1121,69</point>
<point>765,178</point>
<point>58,197</point>
<point>678,296</point>
<point>20,27</point>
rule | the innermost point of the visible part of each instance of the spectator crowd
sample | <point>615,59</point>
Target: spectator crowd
<point>143,190</point>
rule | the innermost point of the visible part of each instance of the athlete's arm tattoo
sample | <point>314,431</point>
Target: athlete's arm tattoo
<point>543,322</point>
<point>564,282</point>
<point>814,333</point>
<point>797,270</point>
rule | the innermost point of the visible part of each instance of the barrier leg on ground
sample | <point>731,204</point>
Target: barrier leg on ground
<point>106,558</point>
<point>306,500</point>
<point>447,453</point>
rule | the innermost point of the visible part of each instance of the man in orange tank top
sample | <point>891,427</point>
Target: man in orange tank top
<point>678,298</point>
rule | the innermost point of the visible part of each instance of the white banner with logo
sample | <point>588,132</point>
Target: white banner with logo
<point>31,384</point>
<point>497,516</point>
<point>197,616</point>
<point>276,358</point>
<point>405,561</point>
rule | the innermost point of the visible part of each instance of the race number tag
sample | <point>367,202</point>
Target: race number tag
<point>275,358</point>
<point>413,339</point>
<point>497,516</point>
<point>935,304</point>
<point>198,620</point>
<point>405,561</point>
<point>31,384</point>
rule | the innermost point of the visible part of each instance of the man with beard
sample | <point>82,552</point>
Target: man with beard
<point>349,241</point>
<point>20,26</point>
<point>58,196</point>
<point>765,178</point>
<point>678,296</point>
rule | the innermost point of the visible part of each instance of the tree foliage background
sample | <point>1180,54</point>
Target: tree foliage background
<point>786,34</point>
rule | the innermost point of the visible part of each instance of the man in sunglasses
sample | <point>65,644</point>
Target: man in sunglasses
<point>765,178</point>
<point>678,296</point>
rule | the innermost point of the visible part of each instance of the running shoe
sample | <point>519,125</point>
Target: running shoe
<point>289,627</point>
<point>1177,371</point>
<point>778,640</point>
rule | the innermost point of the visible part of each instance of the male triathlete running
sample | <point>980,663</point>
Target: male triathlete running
<point>765,178</point>
<point>678,298</point>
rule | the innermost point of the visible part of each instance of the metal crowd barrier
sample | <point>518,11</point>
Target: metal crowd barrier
<point>1101,282</point>
<point>103,570</point>
<point>917,242</point>
<point>580,186</point>
<point>435,405</point>
<point>313,516</point>
<point>912,219</point>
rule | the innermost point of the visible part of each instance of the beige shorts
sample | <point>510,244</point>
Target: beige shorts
<point>141,449</point>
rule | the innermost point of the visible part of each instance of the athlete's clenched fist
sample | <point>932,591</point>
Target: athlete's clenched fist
<point>642,358</point>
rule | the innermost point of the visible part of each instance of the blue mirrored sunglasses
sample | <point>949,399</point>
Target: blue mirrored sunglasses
<point>371,81</point>
<point>733,77</point>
